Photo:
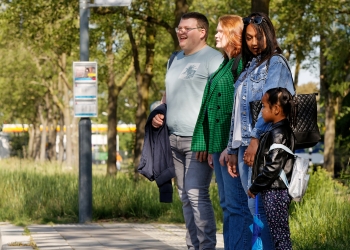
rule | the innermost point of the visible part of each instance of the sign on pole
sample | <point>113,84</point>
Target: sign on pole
<point>106,3</point>
<point>85,89</point>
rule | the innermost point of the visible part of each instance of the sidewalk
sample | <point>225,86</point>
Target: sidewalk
<point>98,236</point>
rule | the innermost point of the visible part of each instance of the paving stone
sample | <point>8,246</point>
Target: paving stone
<point>106,236</point>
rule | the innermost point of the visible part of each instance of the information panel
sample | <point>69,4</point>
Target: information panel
<point>85,89</point>
<point>106,3</point>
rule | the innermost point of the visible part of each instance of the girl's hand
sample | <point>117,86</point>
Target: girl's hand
<point>250,194</point>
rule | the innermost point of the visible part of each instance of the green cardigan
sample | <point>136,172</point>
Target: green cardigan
<point>211,132</point>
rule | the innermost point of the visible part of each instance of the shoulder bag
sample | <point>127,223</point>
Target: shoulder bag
<point>304,124</point>
<point>235,67</point>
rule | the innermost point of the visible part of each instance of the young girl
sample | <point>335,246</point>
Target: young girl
<point>277,105</point>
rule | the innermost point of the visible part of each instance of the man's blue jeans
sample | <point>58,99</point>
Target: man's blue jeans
<point>245,173</point>
<point>193,180</point>
<point>233,201</point>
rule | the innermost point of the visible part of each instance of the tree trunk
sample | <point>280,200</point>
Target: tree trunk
<point>51,144</point>
<point>51,125</point>
<point>36,151</point>
<point>260,6</point>
<point>61,147</point>
<point>329,135</point>
<point>75,142</point>
<point>329,103</point>
<point>31,133</point>
<point>67,123</point>
<point>112,104</point>
<point>43,134</point>
<point>60,103</point>
<point>67,113</point>
<point>143,81</point>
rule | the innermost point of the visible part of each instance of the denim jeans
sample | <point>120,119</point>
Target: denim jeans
<point>245,172</point>
<point>193,180</point>
<point>233,201</point>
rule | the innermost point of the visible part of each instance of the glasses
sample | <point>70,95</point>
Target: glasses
<point>185,30</point>
<point>254,19</point>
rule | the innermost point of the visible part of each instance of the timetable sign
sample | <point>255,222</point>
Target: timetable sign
<point>106,3</point>
<point>85,89</point>
<point>85,108</point>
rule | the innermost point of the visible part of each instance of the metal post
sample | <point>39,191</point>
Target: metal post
<point>84,30</point>
<point>310,157</point>
<point>85,151</point>
<point>85,171</point>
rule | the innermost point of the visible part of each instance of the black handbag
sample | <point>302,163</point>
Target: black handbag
<point>305,128</point>
<point>304,124</point>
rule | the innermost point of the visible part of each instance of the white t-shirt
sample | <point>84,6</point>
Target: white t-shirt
<point>237,130</point>
<point>185,82</point>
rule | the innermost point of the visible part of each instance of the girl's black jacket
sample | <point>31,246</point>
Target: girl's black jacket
<point>268,164</point>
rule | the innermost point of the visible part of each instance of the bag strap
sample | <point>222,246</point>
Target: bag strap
<point>294,114</point>
<point>235,66</point>
<point>172,57</point>
<point>275,145</point>
<point>282,173</point>
<point>286,62</point>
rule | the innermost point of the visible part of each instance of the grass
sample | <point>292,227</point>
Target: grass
<point>40,193</point>
<point>47,193</point>
<point>322,220</point>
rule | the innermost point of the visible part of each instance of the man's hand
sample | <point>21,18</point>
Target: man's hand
<point>158,120</point>
<point>202,156</point>
<point>250,153</point>
<point>223,158</point>
<point>250,194</point>
<point>232,165</point>
<point>210,161</point>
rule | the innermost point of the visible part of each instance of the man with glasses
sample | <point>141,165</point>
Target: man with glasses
<point>185,82</point>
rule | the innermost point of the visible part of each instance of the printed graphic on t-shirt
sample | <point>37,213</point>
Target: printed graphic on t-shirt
<point>189,71</point>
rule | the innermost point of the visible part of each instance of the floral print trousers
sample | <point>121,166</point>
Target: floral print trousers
<point>276,204</point>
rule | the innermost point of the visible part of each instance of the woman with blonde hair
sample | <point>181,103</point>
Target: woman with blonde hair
<point>212,129</point>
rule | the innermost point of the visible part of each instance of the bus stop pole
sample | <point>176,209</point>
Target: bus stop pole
<point>85,151</point>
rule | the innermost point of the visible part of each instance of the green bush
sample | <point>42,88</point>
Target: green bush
<point>18,143</point>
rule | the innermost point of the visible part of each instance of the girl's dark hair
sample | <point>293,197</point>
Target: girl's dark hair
<point>265,28</point>
<point>284,98</point>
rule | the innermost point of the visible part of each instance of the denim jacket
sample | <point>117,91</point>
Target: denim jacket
<point>255,82</point>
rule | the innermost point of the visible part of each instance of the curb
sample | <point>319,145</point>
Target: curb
<point>7,247</point>
<point>13,234</point>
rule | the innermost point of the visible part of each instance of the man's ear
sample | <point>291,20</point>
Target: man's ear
<point>203,33</point>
